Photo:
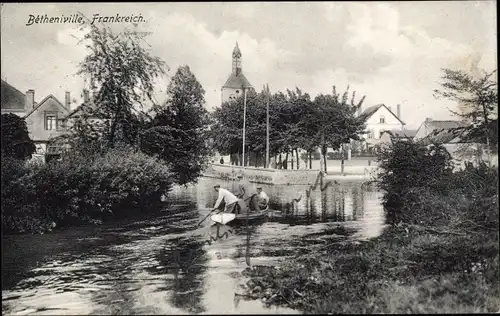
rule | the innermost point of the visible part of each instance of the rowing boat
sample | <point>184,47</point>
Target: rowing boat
<point>252,216</point>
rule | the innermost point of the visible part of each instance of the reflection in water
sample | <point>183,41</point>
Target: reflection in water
<point>161,264</point>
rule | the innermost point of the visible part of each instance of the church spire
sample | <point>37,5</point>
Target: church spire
<point>236,60</point>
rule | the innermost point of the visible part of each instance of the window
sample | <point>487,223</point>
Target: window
<point>370,135</point>
<point>237,91</point>
<point>50,122</point>
<point>382,119</point>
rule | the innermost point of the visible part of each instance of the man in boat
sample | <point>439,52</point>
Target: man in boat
<point>230,200</point>
<point>262,198</point>
<point>246,191</point>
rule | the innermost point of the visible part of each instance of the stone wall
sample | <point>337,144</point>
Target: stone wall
<point>262,175</point>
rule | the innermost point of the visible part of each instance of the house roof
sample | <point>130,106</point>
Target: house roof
<point>405,133</point>
<point>12,99</point>
<point>42,102</point>
<point>237,81</point>
<point>369,111</point>
<point>444,124</point>
<point>444,132</point>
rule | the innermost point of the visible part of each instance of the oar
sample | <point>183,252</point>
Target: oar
<point>207,216</point>
<point>221,211</point>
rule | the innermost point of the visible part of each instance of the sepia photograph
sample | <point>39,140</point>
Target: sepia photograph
<point>183,158</point>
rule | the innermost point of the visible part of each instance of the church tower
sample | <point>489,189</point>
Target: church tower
<point>237,83</point>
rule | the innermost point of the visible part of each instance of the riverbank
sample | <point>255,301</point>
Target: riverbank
<point>439,255</point>
<point>408,269</point>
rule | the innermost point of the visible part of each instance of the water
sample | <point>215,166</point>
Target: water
<point>162,264</point>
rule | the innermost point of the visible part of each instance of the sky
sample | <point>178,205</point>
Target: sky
<point>391,52</point>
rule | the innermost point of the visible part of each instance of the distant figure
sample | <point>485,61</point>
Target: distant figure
<point>221,160</point>
<point>246,191</point>
<point>262,198</point>
<point>229,199</point>
<point>280,165</point>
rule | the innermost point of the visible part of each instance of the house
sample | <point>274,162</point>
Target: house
<point>43,119</point>
<point>378,119</point>
<point>452,135</point>
<point>68,120</point>
<point>435,127</point>
<point>12,100</point>
<point>401,135</point>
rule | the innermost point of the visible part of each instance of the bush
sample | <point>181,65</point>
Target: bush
<point>407,168</point>
<point>76,189</point>
<point>19,208</point>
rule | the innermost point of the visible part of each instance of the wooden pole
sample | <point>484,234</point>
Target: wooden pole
<point>244,121</point>
<point>267,128</point>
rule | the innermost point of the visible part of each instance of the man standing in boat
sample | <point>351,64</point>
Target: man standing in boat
<point>246,191</point>
<point>230,199</point>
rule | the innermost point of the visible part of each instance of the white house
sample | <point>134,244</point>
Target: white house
<point>378,119</point>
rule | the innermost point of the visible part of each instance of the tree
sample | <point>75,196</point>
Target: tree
<point>480,97</point>
<point>122,74</point>
<point>178,132</point>
<point>227,130</point>
<point>336,121</point>
<point>16,142</point>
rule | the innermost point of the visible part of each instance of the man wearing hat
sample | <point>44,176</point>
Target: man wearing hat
<point>230,199</point>
<point>262,198</point>
<point>247,192</point>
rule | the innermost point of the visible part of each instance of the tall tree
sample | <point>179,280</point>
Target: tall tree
<point>479,96</point>
<point>16,142</point>
<point>122,74</point>
<point>178,132</point>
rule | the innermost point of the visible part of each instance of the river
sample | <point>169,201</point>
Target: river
<point>162,263</point>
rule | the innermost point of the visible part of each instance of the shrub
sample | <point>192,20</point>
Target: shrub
<point>80,189</point>
<point>407,168</point>
<point>19,208</point>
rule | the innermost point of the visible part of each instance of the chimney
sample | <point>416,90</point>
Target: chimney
<point>428,119</point>
<point>86,97</point>
<point>30,100</point>
<point>390,108</point>
<point>398,113</point>
<point>67,100</point>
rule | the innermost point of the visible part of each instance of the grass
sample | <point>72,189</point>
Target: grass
<point>441,255</point>
<point>405,270</point>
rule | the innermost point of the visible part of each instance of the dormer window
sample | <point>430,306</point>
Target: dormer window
<point>382,119</point>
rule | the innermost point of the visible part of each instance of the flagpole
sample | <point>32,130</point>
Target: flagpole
<point>267,128</point>
<point>244,122</point>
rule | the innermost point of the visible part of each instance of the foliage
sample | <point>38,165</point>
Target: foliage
<point>178,131</point>
<point>408,168</point>
<point>16,142</point>
<point>479,97</point>
<point>295,122</point>
<point>122,74</point>
<point>79,189</point>
<point>444,258</point>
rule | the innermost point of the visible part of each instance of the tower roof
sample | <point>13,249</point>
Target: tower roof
<point>236,51</point>
<point>237,81</point>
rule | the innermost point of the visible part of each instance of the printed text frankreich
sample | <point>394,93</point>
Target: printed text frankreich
<point>79,19</point>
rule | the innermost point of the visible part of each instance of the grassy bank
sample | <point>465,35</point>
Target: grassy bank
<point>440,255</point>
